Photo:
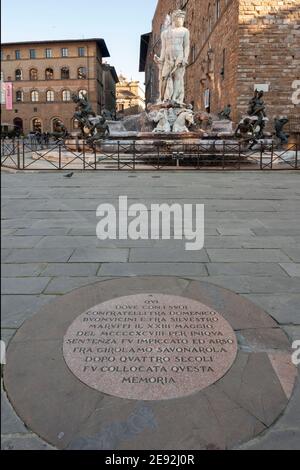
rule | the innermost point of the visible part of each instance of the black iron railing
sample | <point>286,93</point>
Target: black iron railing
<point>25,154</point>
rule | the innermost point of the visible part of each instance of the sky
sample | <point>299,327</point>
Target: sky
<point>119,22</point>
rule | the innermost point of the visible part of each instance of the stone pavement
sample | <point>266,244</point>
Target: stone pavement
<point>252,247</point>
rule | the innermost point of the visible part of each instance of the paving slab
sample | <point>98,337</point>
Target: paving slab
<point>39,255</point>
<point>71,269</point>
<point>20,242</point>
<point>64,284</point>
<point>293,253</point>
<point>245,269</point>
<point>284,308</point>
<point>100,255</point>
<point>287,439</point>
<point>292,269</point>
<point>22,270</point>
<point>246,255</point>
<point>26,286</point>
<point>28,442</point>
<point>17,308</point>
<point>10,422</point>
<point>169,255</point>
<point>153,269</point>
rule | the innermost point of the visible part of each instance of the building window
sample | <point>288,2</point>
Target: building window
<point>32,53</point>
<point>81,51</point>
<point>56,124</point>
<point>18,55</point>
<point>50,96</point>
<point>19,96</point>
<point>66,95</point>
<point>33,74</point>
<point>8,57</point>
<point>34,96</point>
<point>193,52</point>
<point>82,73</point>
<point>65,73</point>
<point>75,124</point>
<point>49,74</point>
<point>64,52</point>
<point>18,74</point>
<point>48,53</point>
<point>223,64</point>
<point>209,20</point>
<point>82,94</point>
<point>36,125</point>
<point>218,9</point>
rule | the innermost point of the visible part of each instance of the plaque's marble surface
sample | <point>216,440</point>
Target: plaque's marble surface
<point>150,347</point>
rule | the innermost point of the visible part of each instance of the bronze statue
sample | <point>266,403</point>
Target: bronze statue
<point>245,130</point>
<point>225,114</point>
<point>83,111</point>
<point>92,127</point>
<point>59,130</point>
<point>279,124</point>
<point>257,108</point>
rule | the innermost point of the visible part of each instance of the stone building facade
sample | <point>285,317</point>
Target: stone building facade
<point>236,46</point>
<point>45,74</point>
<point>130,97</point>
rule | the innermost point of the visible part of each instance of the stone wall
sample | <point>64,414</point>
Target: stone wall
<point>269,53</point>
<point>235,45</point>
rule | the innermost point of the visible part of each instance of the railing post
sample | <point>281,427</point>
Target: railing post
<point>134,156</point>
<point>272,155</point>
<point>158,156</point>
<point>83,155</point>
<point>118,155</point>
<point>23,154</point>
<point>296,157</point>
<point>18,155</point>
<point>59,155</point>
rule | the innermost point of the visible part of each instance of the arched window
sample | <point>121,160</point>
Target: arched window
<point>75,124</point>
<point>82,94</point>
<point>65,73</point>
<point>209,20</point>
<point>49,74</point>
<point>50,96</point>
<point>66,95</point>
<point>36,125</point>
<point>18,123</point>
<point>33,74</point>
<point>218,9</point>
<point>34,95</point>
<point>19,96</point>
<point>82,73</point>
<point>56,124</point>
<point>18,74</point>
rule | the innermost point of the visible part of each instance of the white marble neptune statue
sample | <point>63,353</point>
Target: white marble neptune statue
<point>175,40</point>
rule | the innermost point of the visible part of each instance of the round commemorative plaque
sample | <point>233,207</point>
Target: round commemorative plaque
<point>150,347</point>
